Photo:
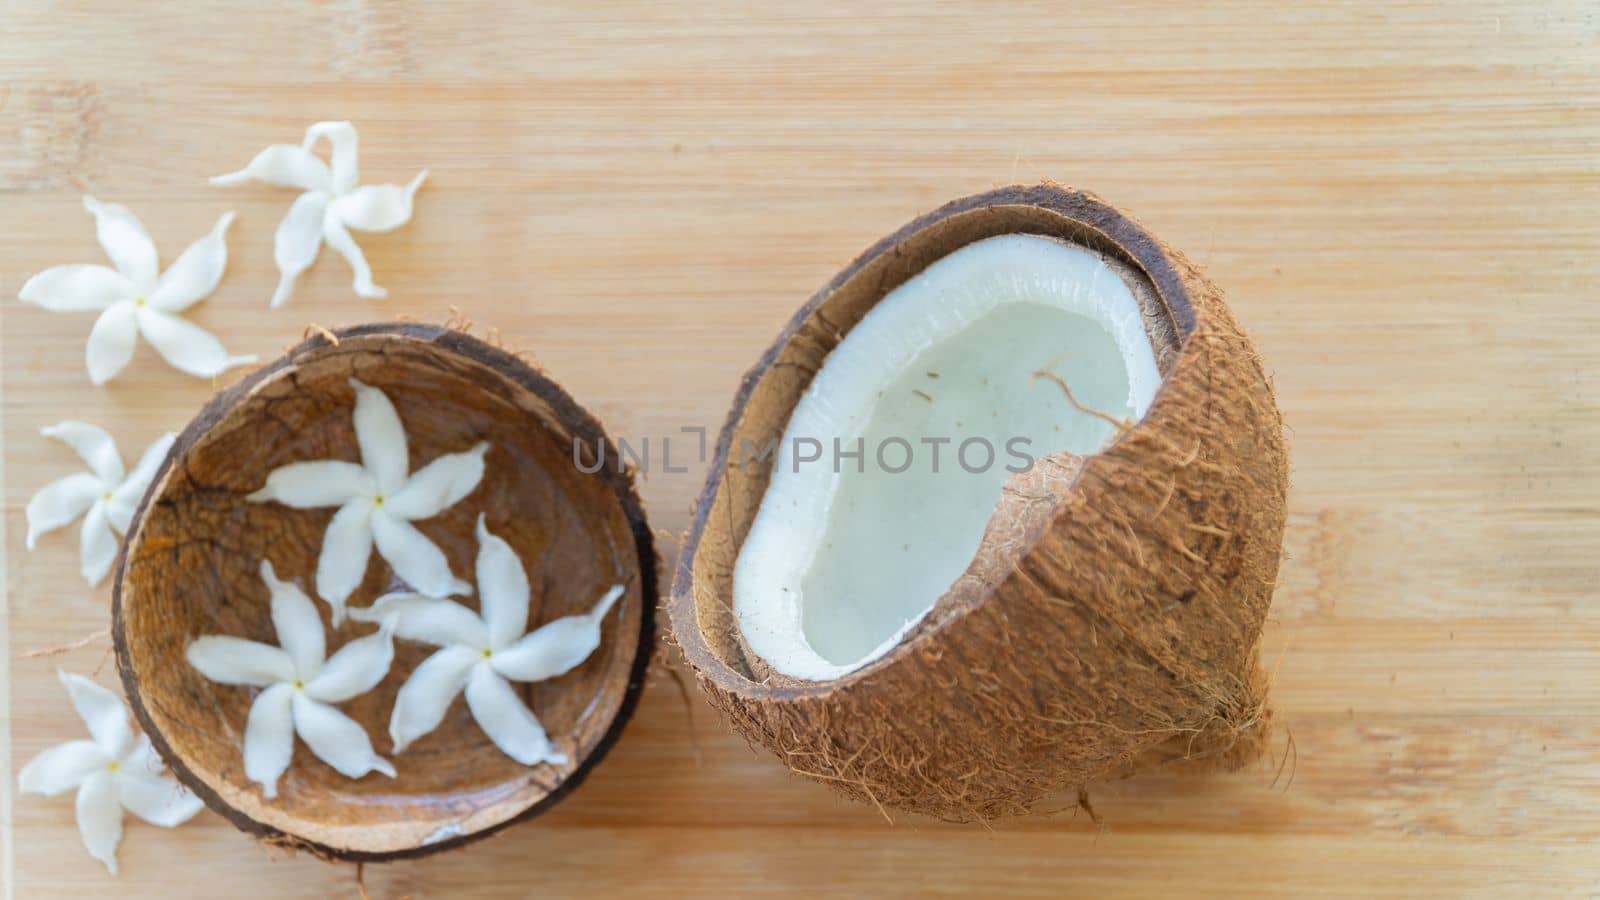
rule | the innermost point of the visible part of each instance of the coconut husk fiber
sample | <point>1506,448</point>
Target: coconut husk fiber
<point>1112,616</point>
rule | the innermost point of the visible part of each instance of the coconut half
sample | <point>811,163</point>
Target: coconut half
<point>190,561</point>
<point>999,513</point>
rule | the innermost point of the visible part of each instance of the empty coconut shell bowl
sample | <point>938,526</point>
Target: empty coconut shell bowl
<point>998,514</point>
<point>370,606</point>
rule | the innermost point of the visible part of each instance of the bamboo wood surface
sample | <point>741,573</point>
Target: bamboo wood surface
<point>1402,203</point>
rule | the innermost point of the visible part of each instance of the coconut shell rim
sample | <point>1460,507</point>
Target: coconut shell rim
<point>1119,233</point>
<point>566,410</point>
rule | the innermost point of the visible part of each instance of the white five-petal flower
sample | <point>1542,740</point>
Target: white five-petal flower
<point>112,772</point>
<point>133,299</point>
<point>478,653</point>
<point>378,500</point>
<point>299,687</point>
<point>106,495</point>
<point>331,205</point>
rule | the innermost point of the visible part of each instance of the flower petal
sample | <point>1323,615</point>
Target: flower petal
<point>355,669</point>
<point>102,711</point>
<point>157,800</point>
<point>295,619</point>
<point>342,136</point>
<point>111,342</point>
<point>336,739</point>
<point>381,437</point>
<point>196,272</point>
<point>415,617</point>
<point>62,767</point>
<point>142,759</point>
<point>61,501</point>
<point>269,737</point>
<point>502,588</point>
<point>186,346</point>
<point>426,696</point>
<point>506,719</point>
<point>556,648</point>
<point>231,660</point>
<point>97,545</point>
<point>438,485</point>
<point>78,288</point>
<point>125,241</point>
<point>100,818</point>
<point>283,165</point>
<point>417,560</point>
<point>378,207</point>
<point>132,488</point>
<point>346,547</point>
<point>335,236</point>
<point>316,484</point>
<point>93,445</point>
<point>295,245</point>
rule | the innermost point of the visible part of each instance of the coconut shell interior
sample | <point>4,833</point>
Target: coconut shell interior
<point>1112,614</point>
<point>189,568</point>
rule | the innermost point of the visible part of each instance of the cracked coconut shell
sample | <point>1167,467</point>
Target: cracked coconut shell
<point>1111,617</point>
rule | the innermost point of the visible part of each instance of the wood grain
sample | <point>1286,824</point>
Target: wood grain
<point>1401,201</point>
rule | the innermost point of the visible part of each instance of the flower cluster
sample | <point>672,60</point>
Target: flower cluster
<point>480,652</point>
<point>133,299</point>
<point>136,299</point>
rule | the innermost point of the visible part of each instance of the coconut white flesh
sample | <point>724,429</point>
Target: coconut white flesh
<point>841,563</point>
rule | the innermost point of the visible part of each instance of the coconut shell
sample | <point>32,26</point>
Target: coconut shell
<point>189,567</point>
<point>1112,615</point>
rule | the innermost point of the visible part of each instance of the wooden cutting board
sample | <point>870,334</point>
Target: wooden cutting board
<point>1403,203</point>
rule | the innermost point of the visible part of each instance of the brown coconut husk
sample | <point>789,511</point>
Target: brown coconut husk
<point>1110,619</point>
<point>189,567</point>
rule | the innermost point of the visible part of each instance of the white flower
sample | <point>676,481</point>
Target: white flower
<point>112,772</point>
<point>105,496</point>
<point>478,653</point>
<point>377,503</point>
<point>299,686</point>
<point>134,301</point>
<point>330,206</point>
